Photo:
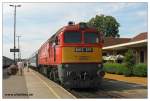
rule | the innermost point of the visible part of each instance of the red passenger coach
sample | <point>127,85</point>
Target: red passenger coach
<point>73,56</point>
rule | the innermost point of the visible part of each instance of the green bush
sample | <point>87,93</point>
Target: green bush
<point>140,70</point>
<point>127,72</point>
<point>129,61</point>
<point>120,69</point>
<point>114,68</point>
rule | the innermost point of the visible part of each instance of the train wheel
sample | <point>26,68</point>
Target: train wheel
<point>51,75</point>
<point>54,75</point>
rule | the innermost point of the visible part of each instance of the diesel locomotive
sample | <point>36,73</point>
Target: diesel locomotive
<point>72,56</point>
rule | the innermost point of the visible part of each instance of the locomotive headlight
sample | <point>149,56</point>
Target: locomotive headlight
<point>99,65</point>
<point>66,65</point>
<point>82,25</point>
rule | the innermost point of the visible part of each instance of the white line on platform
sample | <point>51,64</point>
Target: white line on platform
<point>67,92</point>
<point>47,86</point>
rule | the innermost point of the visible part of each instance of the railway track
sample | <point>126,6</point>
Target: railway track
<point>90,93</point>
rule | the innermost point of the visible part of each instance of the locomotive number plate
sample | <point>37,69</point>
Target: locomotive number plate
<point>83,49</point>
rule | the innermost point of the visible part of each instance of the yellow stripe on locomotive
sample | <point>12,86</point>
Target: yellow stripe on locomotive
<point>81,54</point>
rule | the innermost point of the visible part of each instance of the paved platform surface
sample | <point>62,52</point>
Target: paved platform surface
<point>32,85</point>
<point>14,86</point>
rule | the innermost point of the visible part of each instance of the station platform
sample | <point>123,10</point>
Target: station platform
<point>32,85</point>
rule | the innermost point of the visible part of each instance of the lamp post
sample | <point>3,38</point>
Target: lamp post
<point>15,6</point>
<point>19,55</point>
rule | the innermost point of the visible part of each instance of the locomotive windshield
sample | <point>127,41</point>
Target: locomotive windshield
<point>72,37</point>
<point>90,37</point>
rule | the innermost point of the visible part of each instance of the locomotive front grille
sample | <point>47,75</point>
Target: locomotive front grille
<point>81,71</point>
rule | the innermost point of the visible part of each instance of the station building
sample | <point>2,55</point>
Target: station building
<point>119,46</point>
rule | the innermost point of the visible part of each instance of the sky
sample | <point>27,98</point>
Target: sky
<point>36,22</point>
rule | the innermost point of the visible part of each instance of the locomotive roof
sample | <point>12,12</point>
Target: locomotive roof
<point>78,27</point>
<point>72,27</point>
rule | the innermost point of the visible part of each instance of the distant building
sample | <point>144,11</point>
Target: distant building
<point>118,46</point>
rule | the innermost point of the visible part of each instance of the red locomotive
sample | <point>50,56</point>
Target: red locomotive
<point>73,56</point>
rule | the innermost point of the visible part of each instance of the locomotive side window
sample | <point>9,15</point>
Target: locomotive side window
<point>56,41</point>
<point>90,37</point>
<point>72,37</point>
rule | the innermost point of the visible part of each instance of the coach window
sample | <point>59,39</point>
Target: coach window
<point>90,37</point>
<point>72,37</point>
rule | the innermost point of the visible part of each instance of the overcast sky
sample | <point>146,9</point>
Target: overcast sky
<point>36,22</point>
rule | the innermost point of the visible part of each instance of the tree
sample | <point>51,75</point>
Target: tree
<point>106,24</point>
<point>129,61</point>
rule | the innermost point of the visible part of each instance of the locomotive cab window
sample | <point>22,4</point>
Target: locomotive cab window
<point>90,37</point>
<point>72,37</point>
<point>56,41</point>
